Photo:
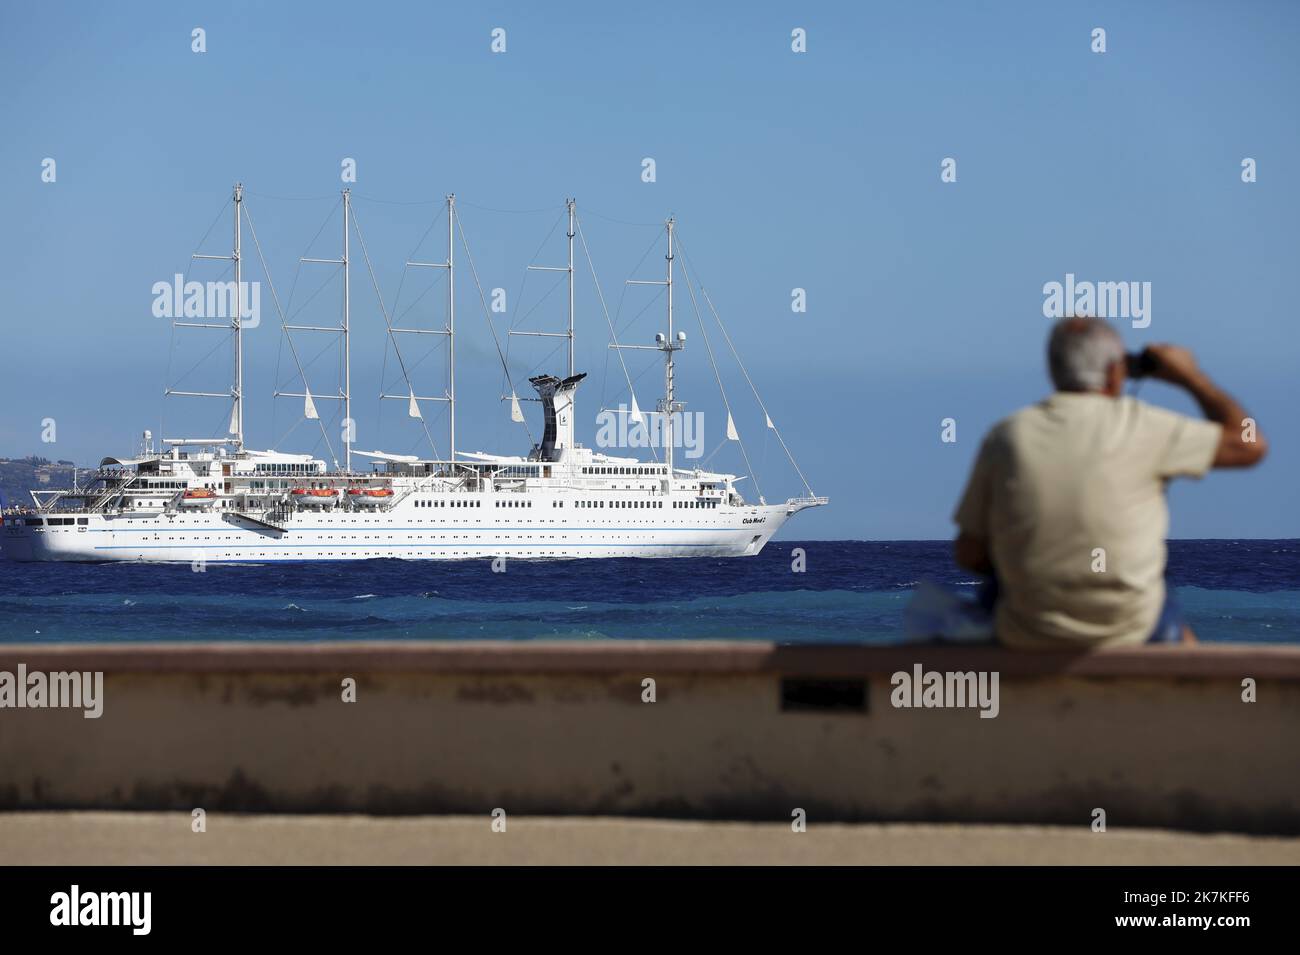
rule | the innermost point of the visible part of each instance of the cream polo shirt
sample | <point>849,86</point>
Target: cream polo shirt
<point>1070,496</point>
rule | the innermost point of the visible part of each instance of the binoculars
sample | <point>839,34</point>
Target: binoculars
<point>1140,364</point>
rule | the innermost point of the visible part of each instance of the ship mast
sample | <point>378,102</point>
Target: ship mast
<point>347,341</point>
<point>449,329</point>
<point>235,431</point>
<point>570,204</point>
<point>344,330</point>
<point>451,325</point>
<point>668,344</point>
<point>237,322</point>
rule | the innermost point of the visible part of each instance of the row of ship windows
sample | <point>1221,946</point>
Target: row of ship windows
<point>620,503</point>
<point>151,487</point>
<point>562,537</point>
<point>60,521</point>
<point>614,504</point>
<point>286,468</point>
<point>611,470</point>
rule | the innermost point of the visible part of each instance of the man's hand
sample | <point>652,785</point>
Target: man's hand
<point>1173,364</point>
<point>1178,367</point>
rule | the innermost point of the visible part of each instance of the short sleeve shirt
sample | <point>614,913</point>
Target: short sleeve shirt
<point>1069,494</point>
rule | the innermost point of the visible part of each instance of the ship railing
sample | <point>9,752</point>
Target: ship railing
<point>411,489</point>
<point>110,492</point>
<point>279,513</point>
<point>51,508</point>
<point>807,501</point>
<point>53,500</point>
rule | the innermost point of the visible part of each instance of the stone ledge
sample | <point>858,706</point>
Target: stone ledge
<point>1226,661</point>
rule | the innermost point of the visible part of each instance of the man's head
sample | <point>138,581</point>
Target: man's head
<point>1086,354</point>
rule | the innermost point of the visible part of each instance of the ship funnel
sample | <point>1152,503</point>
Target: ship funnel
<point>557,412</point>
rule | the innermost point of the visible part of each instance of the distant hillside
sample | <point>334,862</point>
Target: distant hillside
<point>19,476</point>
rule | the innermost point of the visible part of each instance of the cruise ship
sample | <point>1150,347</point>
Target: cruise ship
<point>201,500</point>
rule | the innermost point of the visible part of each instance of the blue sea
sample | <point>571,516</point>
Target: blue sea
<point>850,592</point>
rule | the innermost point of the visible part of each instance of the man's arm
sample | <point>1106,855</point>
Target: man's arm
<point>1178,367</point>
<point>972,553</point>
<point>971,548</point>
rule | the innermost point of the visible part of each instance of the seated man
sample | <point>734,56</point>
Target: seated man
<point>1065,506</point>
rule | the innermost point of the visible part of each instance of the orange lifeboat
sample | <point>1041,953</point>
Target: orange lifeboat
<point>198,497</point>
<point>369,496</point>
<point>314,496</point>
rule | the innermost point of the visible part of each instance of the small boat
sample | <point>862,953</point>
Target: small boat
<point>314,496</point>
<point>198,497</point>
<point>369,496</point>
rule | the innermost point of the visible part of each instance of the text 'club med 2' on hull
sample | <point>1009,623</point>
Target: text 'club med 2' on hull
<point>216,500</point>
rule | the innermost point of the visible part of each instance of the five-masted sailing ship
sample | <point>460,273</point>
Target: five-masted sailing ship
<point>214,499</point>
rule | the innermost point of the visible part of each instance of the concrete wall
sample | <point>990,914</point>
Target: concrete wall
<point>1154,736</point>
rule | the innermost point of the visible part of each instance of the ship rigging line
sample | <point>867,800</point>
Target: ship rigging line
<point>717,376</point>
<point>716,317</point>
<point>439,201</point>
<point>264,195</point>
<point>389,323</point>
<point>519,297</point>
<point>171,345</point>
<point>523,283</point>
<point>397,202</point>
<point>401,283</point>
<point>654,453</point>
<point>487,315</point>
<point>645,225</point>
<point>298,271</point>
<point>622,298</point>
<point>397,297</point>
<point>293,350</point>
<point>293,291</point>
<point>508,212</point>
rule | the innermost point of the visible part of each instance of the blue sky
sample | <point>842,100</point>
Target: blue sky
<point>818,170</point>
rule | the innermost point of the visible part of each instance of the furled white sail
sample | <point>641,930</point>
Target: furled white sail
<point>580,489</point>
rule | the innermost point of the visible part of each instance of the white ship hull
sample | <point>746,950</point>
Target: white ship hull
<point>215,500</point>
<point>536,532</point>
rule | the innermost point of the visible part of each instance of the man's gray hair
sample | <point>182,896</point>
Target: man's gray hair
<point>1079,352</point>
